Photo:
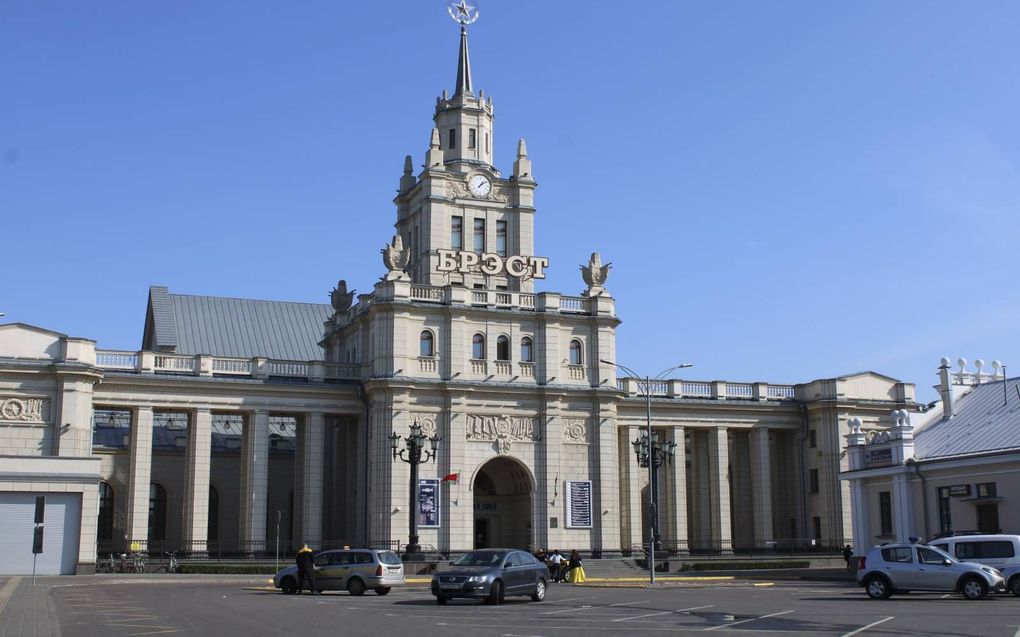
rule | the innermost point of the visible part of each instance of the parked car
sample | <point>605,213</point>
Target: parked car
<point>1012,576</point>
<point>492,574</point>
<point>351,570</point>
<point>890,568</point>
<point>994,550</point>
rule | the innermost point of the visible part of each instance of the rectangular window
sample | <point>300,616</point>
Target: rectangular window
<point>986,490</point>
<point>885,511</point>
<point>471,138</point>
<point>486,143</point>
<point>453,138</point>
<point>457,233</point>
<point>945,510</point>
<point>812,439</point>
<point>501,238</point>
<point>903,554</point>
<point>813,474</point>
<point>479,235</point>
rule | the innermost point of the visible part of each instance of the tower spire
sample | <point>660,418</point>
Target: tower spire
<point>463,67</point>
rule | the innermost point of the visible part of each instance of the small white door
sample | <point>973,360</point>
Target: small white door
<point>62,528</point>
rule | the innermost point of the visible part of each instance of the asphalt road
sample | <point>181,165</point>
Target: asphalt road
<point>172,607</point>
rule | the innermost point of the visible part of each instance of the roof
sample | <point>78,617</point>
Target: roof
<point>984,422</point>
<point>241,328</point>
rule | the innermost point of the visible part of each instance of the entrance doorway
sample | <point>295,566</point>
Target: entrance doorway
<point>503,505</point>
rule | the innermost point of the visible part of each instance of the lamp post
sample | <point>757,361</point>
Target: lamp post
<point>648,438</point>
<point>414,453</point>
<point>655,453</point>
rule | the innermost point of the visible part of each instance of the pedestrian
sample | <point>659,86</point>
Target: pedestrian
<point>574,572</point>
<point>306,570</point>
<point>848,552</point>
<point>557,564</point>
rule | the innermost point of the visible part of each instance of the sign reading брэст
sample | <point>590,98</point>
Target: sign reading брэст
<point>489,263</point>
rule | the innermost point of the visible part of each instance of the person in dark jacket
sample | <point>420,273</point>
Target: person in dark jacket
<point>306,569</point>
<point>848,552</point>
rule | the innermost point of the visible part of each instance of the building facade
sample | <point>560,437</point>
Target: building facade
<point>953,468</point>
<point>239,423</point>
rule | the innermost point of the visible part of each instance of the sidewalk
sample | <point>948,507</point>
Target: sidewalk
<point>26,609</point>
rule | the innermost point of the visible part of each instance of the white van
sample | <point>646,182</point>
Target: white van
<point>998,551</point>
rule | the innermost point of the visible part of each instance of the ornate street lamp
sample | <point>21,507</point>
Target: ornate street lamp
<point>645,387</point>
<point>651,457</point>
<point>414,453</point>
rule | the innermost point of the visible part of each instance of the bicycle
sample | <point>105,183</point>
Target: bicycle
<point>133,563</point>
<point>171,564</point>
<point>106,566</point>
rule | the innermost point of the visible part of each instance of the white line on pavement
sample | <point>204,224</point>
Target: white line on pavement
<point>665,612</point>
<point>644,601</point>
<point>752,619</point>
<point>1017,633</point>
<point>568,610</point>
<point>872,625</point>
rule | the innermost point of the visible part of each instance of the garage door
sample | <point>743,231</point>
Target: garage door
<point>60,538</point>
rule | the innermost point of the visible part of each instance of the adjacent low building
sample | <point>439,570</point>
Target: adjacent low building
<point>954,468</point>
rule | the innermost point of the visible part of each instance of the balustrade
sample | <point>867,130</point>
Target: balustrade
<point>504,368</point>
<point>527,369</point>
<point>117,360</point>
<point>575,372</point>
<point>739,390</point>
<point>232,366</point>
<point>479,367</point>
<point>427,364</point>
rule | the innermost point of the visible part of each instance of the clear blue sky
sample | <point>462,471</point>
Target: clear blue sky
<point>787,190</point>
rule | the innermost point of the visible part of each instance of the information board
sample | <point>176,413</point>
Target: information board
<point>579,504</point>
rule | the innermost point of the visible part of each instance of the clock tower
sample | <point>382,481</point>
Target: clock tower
<point>463,223</point>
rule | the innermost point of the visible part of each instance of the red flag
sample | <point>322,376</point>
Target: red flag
<point>453,477</point>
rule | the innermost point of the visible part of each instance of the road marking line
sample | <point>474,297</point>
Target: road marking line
<point>873,624</point>
<point>567,610</point>
<point>574,599</point>
<point>644,601</point>
<point>753,619</point>
<point>1017,633</point>
<point>665,612</point>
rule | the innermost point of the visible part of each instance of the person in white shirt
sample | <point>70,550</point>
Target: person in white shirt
<point>557,560</point>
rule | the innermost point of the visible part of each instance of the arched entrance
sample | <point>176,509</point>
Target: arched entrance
<point>503,505</point>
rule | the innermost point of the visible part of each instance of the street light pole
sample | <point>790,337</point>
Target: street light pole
<point>414,453</point>
<point>653,456</point>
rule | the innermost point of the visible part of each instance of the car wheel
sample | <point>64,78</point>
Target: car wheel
<point>440,600</point>
<point>288,585</point>
<point>356,587</point>
<point>878,587</point>
<point>539,594</point>
<point>1014,585</point>
<point>382,590</point>
<point>973,588</point>
<point>496,593</point>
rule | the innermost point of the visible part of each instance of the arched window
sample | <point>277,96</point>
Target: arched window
<point>503,348</point>
<point>426,345</point>
<point>575,353</point>
<point>478,347</point>
<point>526,353</point>
<point>214,514</point>
<point>157,513</point>
<point>105,522</point>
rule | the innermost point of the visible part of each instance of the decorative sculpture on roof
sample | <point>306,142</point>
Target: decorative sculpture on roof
<point>595,275</point>
<point>340,298</point>
<point>395,257</point>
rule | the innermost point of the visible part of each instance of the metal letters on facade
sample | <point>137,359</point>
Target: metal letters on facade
<point>465,262</point>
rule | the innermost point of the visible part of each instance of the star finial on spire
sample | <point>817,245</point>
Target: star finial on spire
<point>462,12</point>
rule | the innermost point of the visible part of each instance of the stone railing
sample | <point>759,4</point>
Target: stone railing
<point>717,390</point>
<point>201,365</point>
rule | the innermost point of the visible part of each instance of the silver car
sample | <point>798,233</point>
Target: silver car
<point>351,570</point>
<point>890,568</point>
<point>492,574</point>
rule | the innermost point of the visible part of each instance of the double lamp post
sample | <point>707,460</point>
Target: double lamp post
<point>651,454</point>
<point>414,453</point>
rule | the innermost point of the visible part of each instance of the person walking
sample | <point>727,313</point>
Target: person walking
<point>306,569</point>
<point>848,552</point>
<point>556,559</point>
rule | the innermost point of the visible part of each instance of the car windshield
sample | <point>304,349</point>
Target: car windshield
<point>480,558</point>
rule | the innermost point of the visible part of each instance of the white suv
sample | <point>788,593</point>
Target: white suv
<point>999,551</point>
<point>890,568</point>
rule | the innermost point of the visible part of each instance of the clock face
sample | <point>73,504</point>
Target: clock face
<point>479,186</point>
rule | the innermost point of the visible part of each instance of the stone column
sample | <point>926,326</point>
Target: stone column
<point>719,488</point>
<point>196,487</point>
<point>859,505</point>
<point>550,484</point>
<point>761,489</point>
<point>456,531</point>
<point>310,513</point>
<point>677,528</point>
<point>254,481</point>
<point>902,508</point>
<point>139,479</point>
<point>605,438</point>
<point>635,478</point>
